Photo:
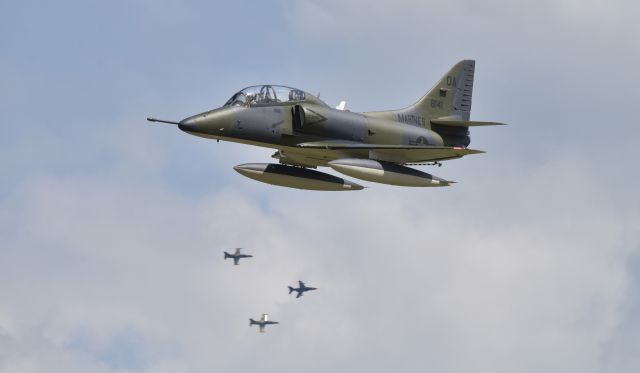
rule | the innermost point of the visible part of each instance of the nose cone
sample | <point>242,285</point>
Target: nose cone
<point>189,124</point>
<point>215,122</point>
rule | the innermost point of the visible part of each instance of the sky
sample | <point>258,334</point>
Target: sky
<point>112,229</point>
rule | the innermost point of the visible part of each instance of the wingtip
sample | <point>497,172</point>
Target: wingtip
<point>467,151</point>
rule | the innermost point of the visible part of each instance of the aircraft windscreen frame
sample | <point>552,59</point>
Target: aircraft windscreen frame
<point>266,95</point>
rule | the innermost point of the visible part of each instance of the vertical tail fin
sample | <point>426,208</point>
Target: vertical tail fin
<point>448,102</point>
<point>451,96</point>
<point>290,289</point>
<point>449,99</point>
<point>252,322</point>
<point>226,255</point>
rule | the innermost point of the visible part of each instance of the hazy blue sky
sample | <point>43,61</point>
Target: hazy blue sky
<point>112,229</point>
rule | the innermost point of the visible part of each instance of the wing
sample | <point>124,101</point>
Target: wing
<point>394,153</point>
<point>261,328</point>
<point>299,294</point>
<point>236,260</point>
<point>238,251</point>
<point>264,317</point>
<point>301,284</point>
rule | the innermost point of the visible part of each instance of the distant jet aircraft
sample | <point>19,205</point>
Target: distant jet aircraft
<point>301,289</point>
<point>236,256</point>
<point>264,321</point>
<point>375,146</point>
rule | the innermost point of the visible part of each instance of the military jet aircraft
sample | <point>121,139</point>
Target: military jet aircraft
<point>264,321</point>
<point>374,146</point>
<point>236,256</point>
<point>301,289</point>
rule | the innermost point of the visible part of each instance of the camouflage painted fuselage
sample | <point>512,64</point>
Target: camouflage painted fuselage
<point>274,126</point>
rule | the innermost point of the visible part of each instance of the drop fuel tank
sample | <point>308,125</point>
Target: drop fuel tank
<point>294,177</point>
<point>386,173</point>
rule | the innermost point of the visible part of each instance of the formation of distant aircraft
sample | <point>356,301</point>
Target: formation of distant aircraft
<point>264,320</point>
<point>306,133</point>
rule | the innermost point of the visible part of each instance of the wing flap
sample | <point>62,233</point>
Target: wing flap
<point>394,153</point>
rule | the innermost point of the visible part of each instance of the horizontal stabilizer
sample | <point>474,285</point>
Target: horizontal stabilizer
<point>464,123</point>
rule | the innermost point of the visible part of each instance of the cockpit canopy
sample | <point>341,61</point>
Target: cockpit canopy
<point>265,95</point>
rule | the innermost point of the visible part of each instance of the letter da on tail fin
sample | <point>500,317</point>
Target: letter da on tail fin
<point>451,96</point>
<point>450,100</point>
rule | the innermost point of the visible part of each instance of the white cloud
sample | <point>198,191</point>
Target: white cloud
<point>531,281</point>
